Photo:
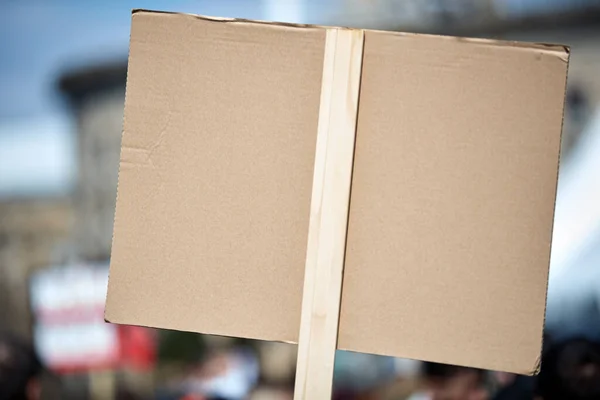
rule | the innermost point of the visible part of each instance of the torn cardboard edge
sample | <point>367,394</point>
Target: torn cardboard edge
<point>538,366</point>
<point>562,51</point>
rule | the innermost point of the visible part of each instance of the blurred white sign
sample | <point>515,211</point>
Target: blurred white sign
<point>68,304</point>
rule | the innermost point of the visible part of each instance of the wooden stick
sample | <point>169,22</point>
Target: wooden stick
<point>329,214</point>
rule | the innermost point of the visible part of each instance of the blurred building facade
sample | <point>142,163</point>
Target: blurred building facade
<point>32,232</point>
<point>96,96</point>
<point>39,232</point>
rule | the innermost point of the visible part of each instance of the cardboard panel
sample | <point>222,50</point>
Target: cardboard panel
<point>452,200</point>
<point>216,174</point>
<point>452,196</point>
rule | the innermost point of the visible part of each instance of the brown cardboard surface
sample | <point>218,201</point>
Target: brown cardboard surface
<point>452,200</point>
<point>216,174</point>
<point>452,196</point>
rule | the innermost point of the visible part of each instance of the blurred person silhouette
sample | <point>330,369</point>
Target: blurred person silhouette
<point>577,102</point>
<point>451,382</point>
<point>515,387</point>
<point>570,371</point>
<point>20,369</point>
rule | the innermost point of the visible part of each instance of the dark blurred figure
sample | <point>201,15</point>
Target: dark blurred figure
<point>571,371</point>
<point>518,388</point>
<point>20,370</point>
<point>451,382</point>
<point>123,393</point>
<point>577,103</point>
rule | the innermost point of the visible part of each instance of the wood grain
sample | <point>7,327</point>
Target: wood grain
<point>329,214</point>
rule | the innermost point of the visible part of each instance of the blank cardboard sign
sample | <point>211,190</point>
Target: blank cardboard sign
<point>452,200</point>
<point>215,178</point>
<point>451,205</point>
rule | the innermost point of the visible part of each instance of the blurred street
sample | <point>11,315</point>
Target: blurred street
<point>63,68</point>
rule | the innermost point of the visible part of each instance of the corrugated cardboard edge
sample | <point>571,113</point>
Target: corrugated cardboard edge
<point>558,50</point>
<point>231,20</point>
<point>538,363</point>
<point>107,318</point>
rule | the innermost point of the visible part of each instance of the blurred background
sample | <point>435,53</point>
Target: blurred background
<point>62,80</point>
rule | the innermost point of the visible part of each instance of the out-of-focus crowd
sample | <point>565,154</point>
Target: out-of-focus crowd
<point>570,370</point>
